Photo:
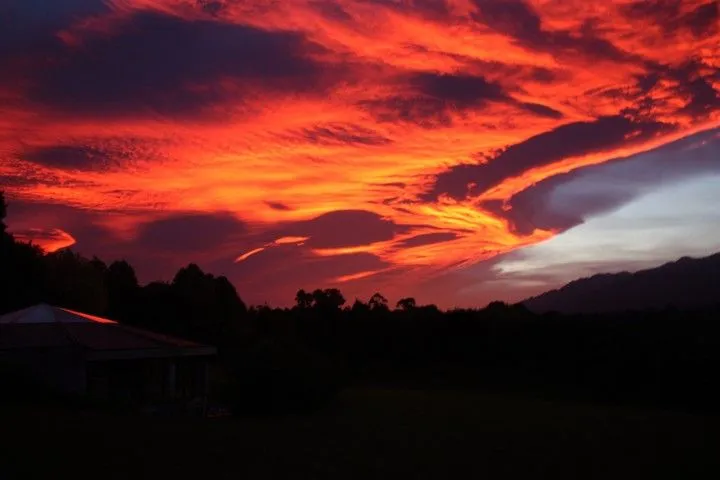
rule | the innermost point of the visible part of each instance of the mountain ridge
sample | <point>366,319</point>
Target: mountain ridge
<point>684,283</point>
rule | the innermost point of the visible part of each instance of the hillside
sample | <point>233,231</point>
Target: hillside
<point>685,283</point>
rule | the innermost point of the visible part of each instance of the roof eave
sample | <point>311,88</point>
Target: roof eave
<point>133,354</point>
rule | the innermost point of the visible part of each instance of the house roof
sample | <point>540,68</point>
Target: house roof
<point>46,326</point>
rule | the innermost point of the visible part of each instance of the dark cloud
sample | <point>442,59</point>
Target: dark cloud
<point>332,10</point>
<point>543,75</point>
<point>662,12</point>
<point>169,66</point>
<point>96,154</point>
<point>704,99</point>
<point>212,7</point>
<point>691,80</point>
<point>566,141</point>
<point>512,17</point>
<point>428,239</point>
<point>70,158</point>
<point>519,20</point>
<point>588,42</point>
<point>438,8</point>
<point>668,14</point>
<point>278,206</point>
<point>564,201</point>
<point>436,97</point>
<point>189,233</point>
<point>512,74</point>
<point>342,134</point>
<point>423,111</point>
<point>32,25</point>
<point>343,228</point>
<point>26,179</point>
<point>647,82</point>
<point>460,90</point>
<point>542,110</point>
<point>696,85</point>
<point>433,9</point>
<point>704,20</point>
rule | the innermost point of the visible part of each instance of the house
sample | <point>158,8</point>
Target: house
<point>73,353</point>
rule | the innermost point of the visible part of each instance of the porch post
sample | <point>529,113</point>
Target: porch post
<point>170,379</point>
<point>206,386</point>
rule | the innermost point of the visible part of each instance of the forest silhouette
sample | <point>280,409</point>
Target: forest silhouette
<point>292,359</point>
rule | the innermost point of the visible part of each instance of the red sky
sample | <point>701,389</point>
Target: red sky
<point>391,145</point>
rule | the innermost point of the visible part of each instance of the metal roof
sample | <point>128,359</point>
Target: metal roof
<point>46,326</point>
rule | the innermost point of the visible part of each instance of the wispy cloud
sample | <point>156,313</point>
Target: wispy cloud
<point>403,134</point>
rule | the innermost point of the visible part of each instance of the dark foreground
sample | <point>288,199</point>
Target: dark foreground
<point>369,433</point>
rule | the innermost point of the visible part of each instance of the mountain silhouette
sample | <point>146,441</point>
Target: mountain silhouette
<point>687,283</point>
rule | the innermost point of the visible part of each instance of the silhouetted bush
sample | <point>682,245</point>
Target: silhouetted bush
<point>272,376</point>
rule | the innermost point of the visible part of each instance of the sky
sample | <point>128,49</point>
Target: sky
<point>457,151</point>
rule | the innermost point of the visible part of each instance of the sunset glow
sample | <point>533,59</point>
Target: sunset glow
<point>303,143</point>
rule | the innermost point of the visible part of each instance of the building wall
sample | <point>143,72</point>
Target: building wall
<point>60,371</point>
<point>180,382</point>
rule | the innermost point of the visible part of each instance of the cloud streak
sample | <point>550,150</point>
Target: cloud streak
<point>49,240</point>
<point>413,136</point>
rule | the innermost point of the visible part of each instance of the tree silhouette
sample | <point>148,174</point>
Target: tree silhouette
<point>98,265</point>
<point>329,299</point>
<point>359,307</point>
<point>378,302</point>
<point>228,307</point>
<point>123,290</point>
<point>121,276</point>
<point>75,282</point>
<point>205,304</point>
<point>406,304</point>
<point>22,273</point>
<point>335,297</point>
<point>303,299</point>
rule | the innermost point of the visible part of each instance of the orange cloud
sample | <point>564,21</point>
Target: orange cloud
<point>50,240</point>
<point>281,112</point>
<point>290,240</point>
<point>356,276</point>
<point>249,254</point>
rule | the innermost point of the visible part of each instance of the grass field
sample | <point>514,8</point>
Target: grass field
<point>368,434</point>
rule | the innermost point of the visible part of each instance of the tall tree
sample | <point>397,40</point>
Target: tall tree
<point>207,307</point>
<point>406,304</point>
<point>21,269</point>
<point>229,308</point>
<point>358,307</point>
<point>378,302</point>
<point>194,292</point>
<point>303,299</point>
<point>123,291</point>
<point>328,299</point>
<point>75,282</point>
